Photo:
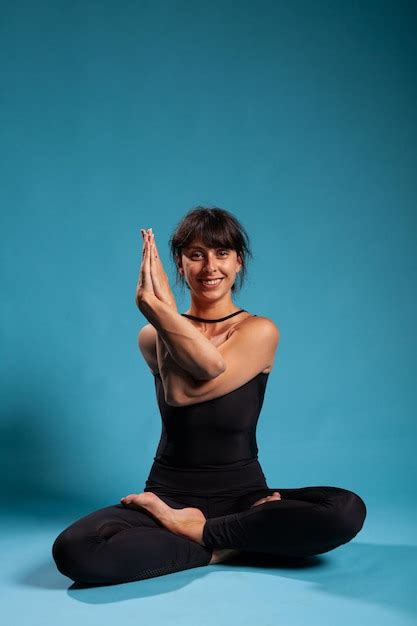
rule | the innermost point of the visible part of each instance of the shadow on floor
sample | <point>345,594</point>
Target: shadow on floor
<point>377,574</point>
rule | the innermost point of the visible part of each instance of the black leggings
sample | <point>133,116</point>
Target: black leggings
<point>122,543</point>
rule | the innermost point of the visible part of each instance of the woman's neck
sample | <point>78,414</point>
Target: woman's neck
<point>213,320</point>
<point>216,311</point>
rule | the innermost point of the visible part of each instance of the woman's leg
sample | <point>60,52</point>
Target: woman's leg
<point>306,521</point>
<point>120,543</point>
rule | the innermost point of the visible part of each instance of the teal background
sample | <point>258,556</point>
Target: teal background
<point>298,117</point>
<point>301,121</point>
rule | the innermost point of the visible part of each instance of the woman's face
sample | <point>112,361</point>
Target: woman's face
<point>200,262</point>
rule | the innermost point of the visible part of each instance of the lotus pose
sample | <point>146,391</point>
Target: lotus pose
<point>206,498</point>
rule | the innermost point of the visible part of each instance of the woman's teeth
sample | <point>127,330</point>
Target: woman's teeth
<point>211,282</point>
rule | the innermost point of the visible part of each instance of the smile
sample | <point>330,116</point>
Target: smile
<point>211,283</point>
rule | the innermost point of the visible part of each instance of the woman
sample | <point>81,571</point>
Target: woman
<point>206,498</point>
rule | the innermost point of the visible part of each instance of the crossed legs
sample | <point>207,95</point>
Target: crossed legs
<point>155,535</point>
<point>298,522</point>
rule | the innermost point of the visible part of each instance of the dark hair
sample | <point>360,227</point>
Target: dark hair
<point>216,228</point>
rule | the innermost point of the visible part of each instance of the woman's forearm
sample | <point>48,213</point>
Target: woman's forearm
<point>188,347</point>
<point>175,379</point>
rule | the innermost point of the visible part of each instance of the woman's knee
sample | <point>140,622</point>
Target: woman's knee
<point>75,550</point>
<point>350,511</point>
<point>71,555</point>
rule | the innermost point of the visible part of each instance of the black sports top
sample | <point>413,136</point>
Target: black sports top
<point>212,433</point>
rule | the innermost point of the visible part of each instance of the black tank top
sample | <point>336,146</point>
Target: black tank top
<point>213,433</point>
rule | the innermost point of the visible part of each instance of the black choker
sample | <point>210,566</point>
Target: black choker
<point>200,319</point>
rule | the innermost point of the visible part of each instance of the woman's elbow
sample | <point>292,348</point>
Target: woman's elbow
<point>219,369</point>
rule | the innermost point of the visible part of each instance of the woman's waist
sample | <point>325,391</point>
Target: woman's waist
<point>233,478</point>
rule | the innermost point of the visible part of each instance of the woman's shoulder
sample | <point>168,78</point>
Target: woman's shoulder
<point>259,326</point>
<point>254,320</point>
<point>260,320</point>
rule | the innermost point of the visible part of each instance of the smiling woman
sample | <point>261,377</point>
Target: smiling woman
<point>206,497</point>
<point>209,233</point>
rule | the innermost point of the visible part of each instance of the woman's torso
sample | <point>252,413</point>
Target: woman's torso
<point>213,433</point>
<point>217,432</point>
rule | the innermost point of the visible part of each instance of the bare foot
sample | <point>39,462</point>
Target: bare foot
<point>275,496</point>
<point>188,522</point>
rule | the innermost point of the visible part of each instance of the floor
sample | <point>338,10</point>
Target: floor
<point>370,580</point>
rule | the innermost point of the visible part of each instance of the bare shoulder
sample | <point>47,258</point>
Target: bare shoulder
<point>252,334</point>
<point>259,324</point>
<point>147,345</point>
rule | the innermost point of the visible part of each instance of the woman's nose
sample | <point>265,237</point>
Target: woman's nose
<point>210,264</point>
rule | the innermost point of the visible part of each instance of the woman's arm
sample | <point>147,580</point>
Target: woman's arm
<point>184,344</point>
<point>182,352</point>
<point>175,379</point>
<point>247,352</point>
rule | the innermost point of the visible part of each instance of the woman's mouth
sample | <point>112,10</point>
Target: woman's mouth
<point>211,284</point>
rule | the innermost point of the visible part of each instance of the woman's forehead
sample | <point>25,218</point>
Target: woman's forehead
<point>198,243</point>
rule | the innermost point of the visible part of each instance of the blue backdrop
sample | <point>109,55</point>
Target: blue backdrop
<point>298,118</point>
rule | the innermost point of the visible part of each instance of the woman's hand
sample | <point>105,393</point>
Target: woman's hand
<point>160,280</point>
<point>144,285</point>
<point>152,276</point>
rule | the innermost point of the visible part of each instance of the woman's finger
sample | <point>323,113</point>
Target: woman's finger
<point>145,280</point>
<point>144,250</point>
<point>154,248</point>
<point>152,244</point>
<point>148,260</point>
<point>139,283</point>
<point>154,269</point>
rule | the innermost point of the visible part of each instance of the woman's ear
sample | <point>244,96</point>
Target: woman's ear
<point>179,264</point>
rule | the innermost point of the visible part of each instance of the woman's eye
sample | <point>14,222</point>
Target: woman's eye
<point>225,252</point>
